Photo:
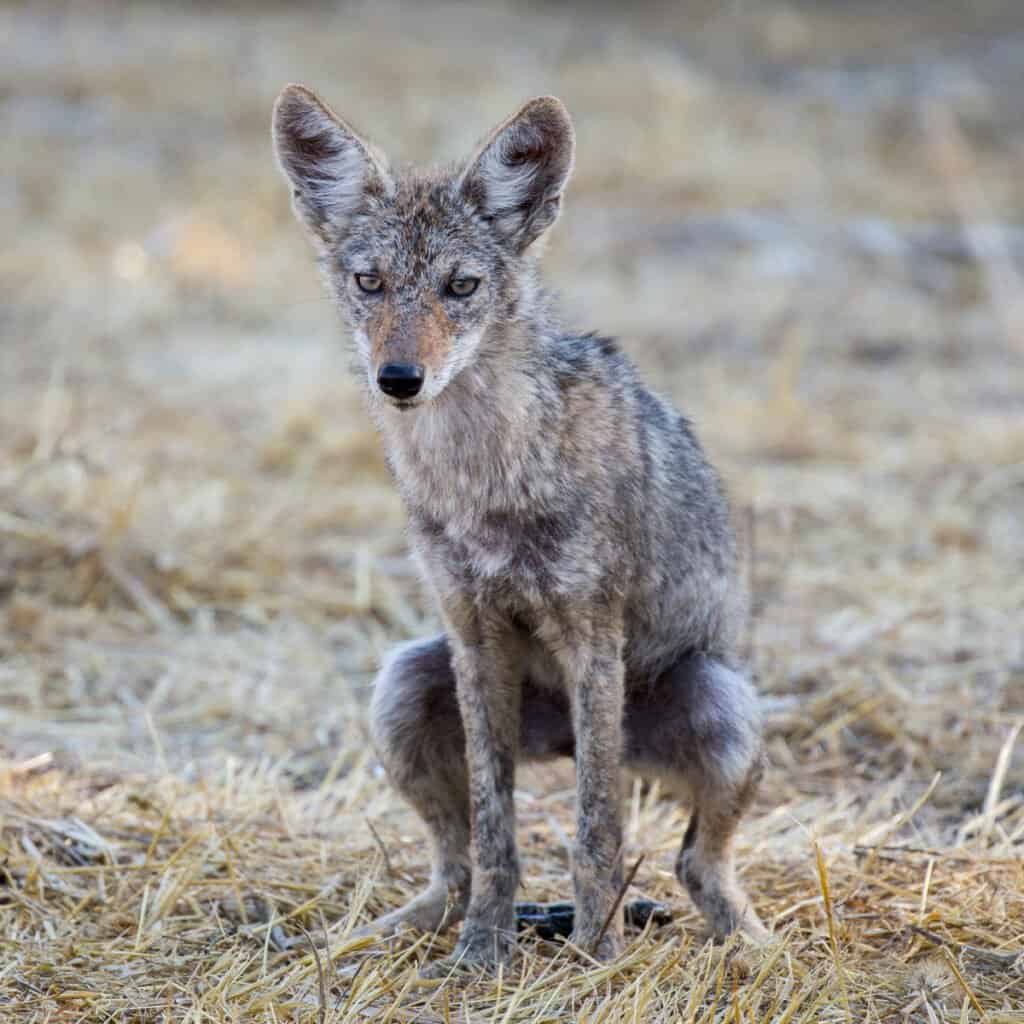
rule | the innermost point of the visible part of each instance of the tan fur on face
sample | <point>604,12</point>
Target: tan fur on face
<point>435,335</point>
<point>379,332</point>
<point>426,338</point>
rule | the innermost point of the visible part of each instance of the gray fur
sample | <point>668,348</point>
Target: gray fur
<point>576,538</point>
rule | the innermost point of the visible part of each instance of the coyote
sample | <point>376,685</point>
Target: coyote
<point>576,539</point>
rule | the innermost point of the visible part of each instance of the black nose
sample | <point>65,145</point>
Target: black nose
<point>400,380</point>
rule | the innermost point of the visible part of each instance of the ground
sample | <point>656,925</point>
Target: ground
<point>800,219</point>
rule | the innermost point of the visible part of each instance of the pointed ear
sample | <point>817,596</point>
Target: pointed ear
<point>330,168</point>
<point>517,177</point>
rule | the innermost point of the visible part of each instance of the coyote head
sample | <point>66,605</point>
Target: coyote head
<point>422,266</point>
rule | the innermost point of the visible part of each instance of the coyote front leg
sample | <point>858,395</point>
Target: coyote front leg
<point>489,686</point>
<point>591,660</point>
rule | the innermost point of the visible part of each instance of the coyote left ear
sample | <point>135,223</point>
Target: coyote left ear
<point>517,177</point>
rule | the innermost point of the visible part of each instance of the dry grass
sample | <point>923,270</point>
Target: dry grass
<point>201,557</point>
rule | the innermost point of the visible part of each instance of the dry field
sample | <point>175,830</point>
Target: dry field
<point>801,219</point>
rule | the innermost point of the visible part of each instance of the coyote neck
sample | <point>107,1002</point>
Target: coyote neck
<point>488,445</point>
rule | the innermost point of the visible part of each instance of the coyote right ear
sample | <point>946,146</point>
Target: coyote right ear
<point>329,166</point>
<point>517,177</point>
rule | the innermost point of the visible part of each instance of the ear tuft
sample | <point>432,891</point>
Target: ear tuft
<point>328,165</point>
<point>518,175</point>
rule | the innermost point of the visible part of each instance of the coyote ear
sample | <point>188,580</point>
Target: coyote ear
<point>329,166</point>
<point>517,177</point>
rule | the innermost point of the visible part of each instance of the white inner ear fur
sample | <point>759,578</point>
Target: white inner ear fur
<point>340,178</point>
<point>506,187</point>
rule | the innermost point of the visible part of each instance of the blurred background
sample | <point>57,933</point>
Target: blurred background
<point>805,221</point>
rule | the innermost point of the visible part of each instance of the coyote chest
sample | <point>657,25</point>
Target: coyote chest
<point>489,505</point>
<point>513,553</point>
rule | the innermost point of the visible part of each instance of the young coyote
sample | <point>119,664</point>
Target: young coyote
<point>576,539</point>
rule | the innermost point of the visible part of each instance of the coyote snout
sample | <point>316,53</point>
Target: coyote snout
<point>575,536</point>
<point>409,343</point>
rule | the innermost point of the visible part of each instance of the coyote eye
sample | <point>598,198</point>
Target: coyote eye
<point>369,282</point>
<point>463,287</point>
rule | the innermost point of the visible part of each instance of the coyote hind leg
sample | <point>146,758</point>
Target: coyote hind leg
<point>698,725</point>
<point>417,731</point>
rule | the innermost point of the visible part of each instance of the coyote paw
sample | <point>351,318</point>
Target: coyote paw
<point>609,947</point>
<point>479,950</point>
<point>431,911</point>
